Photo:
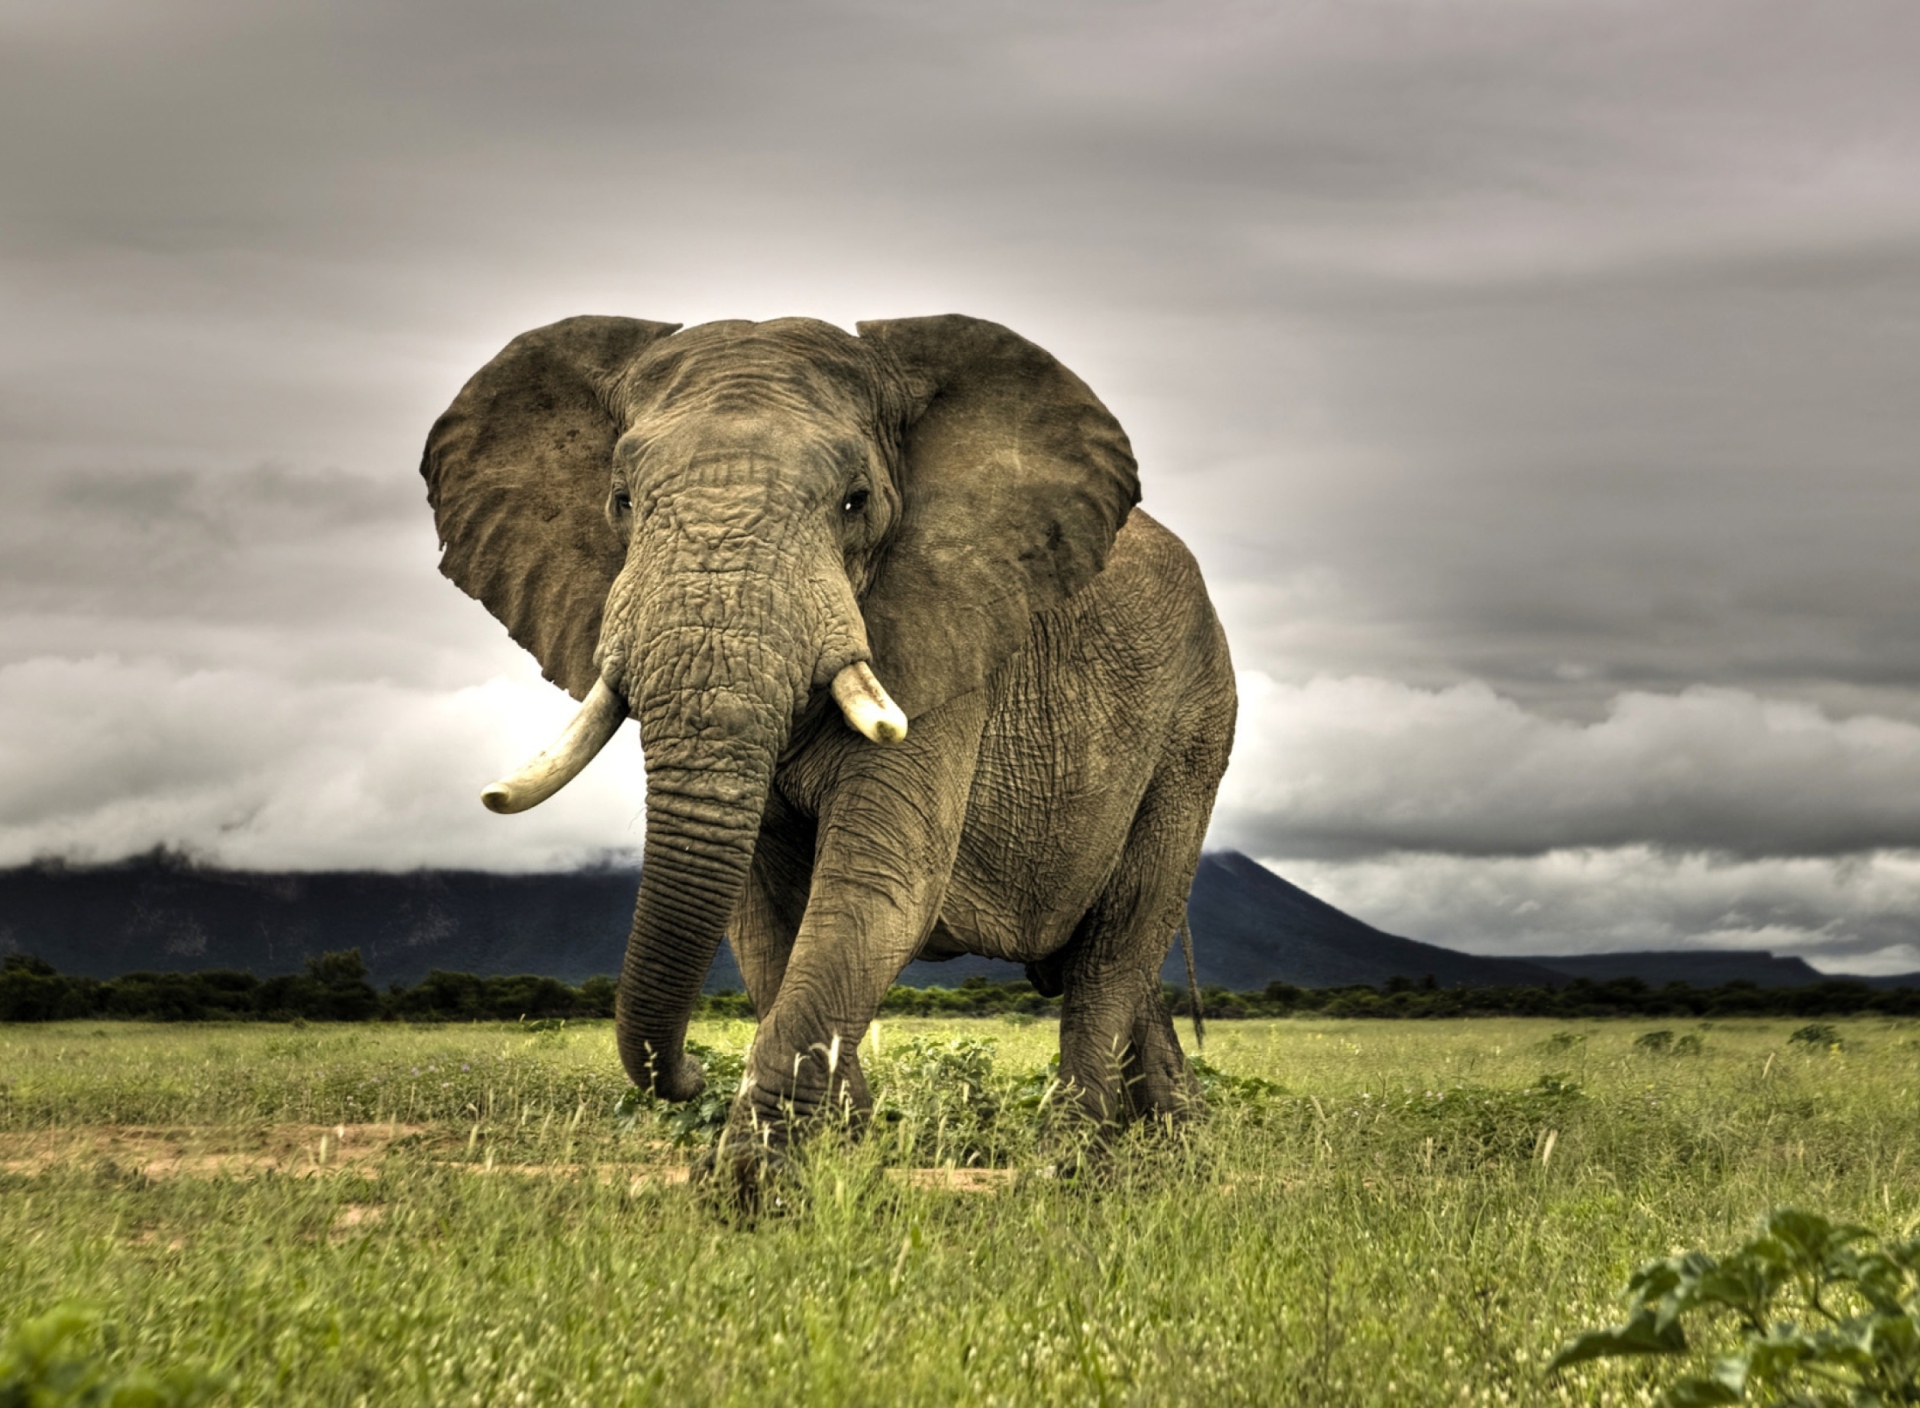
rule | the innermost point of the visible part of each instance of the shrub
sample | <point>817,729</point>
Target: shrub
<point>1823,1034</point>
<point>941,1097</point>
<point>53,1362</point>
<point>1820,1320</point>
<point>1476,1124</point>
<point>1222,1086</point>
<point>701,1118</point>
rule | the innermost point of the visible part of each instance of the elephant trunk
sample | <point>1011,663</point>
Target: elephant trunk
<point>694,865</point>
<point>715,706</point>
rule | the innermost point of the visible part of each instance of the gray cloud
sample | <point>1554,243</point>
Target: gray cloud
<point>1853,915</point>
<point>1356,767</point>
<point>1534,383</point>
<point>108,756</point>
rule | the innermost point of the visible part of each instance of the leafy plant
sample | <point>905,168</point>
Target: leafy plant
<point>1219,1085</point>
<point>1479,1124</point>
<point>941,1096</point>
<point>1822,1322</point>
<point>1665,1043</point>
<point>697,1120</point>
<point>53,1361</point>
<point>1823,1034</point>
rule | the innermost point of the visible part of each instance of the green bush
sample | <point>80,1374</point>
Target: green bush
<point>56,1361</point>
<point>941,1097</point>
<point>700,1119</point>
<point>1821,1322</point>
<point>1821,1034</point>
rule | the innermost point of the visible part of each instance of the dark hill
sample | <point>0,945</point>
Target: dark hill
<point>162,913</point>
<point>1703,968</point>
<point>1251,928</point>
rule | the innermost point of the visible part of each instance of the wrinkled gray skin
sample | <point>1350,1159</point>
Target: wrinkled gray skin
<point>717,521</point>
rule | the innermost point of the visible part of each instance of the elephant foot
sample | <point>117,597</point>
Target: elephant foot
<point>744,1176</point>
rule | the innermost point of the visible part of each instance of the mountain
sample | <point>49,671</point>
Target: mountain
<point>1703,968</point>
<point>164,912</point>
<point>1251,928</point>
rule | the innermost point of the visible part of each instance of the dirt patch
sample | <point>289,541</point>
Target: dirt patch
<point>151,1238</point>
<point>355,1150</point>
<point>211,1152</point>
<point>355,1216</point>
<point>957,1180</point>
<point>637,1176</point>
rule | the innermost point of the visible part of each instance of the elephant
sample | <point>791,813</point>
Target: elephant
<point>913,676</point>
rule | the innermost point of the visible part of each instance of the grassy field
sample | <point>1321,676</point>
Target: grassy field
<point>1376,1212</point>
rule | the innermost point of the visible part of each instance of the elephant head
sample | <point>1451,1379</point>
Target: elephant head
<point>705,529</point>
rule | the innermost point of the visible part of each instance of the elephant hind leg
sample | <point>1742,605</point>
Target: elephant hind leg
<point>1117,1041</point>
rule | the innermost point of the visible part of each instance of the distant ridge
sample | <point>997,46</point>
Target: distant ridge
<point>1251,928</point>
<point>164,912</point>
<point>1702,968</point>
<point>161,912</point>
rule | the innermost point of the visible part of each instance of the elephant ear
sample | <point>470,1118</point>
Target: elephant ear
<point>517,472</point>
<point>1015,481</point>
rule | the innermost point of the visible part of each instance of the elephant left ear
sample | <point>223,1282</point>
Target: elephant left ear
<point>1015,481</point>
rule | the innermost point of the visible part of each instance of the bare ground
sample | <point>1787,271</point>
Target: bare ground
<point>307,1150</point>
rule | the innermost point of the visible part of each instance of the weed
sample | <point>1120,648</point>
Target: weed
<point>693,1122</point>
<point>1819,1319</point>
<point>1665,1043</point>
<point>1821,1034</point>
<point>58,1360</point>
<point>1223,1086</point>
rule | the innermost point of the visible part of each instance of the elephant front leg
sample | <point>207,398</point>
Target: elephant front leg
<point>889,828</point>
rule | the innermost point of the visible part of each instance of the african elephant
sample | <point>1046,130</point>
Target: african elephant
<point>913,675</point>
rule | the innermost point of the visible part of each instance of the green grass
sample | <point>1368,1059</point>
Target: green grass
<point>1406,1213</point>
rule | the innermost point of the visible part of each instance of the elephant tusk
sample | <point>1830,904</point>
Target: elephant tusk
<point>868,707</point>
<point>599,719</point>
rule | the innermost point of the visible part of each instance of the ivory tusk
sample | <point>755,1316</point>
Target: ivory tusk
<point>599,719</point>
<point>865,702</point>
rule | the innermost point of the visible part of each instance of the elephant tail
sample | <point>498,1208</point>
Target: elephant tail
<point>1193,985</point>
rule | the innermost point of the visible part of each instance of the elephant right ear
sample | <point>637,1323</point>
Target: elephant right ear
<point>517,471</point>
<point>1015,479</point>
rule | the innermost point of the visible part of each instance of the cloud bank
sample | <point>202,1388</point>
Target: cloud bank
<point>1856,914</point>
<point>114,756</point>
<point>1338,768</point>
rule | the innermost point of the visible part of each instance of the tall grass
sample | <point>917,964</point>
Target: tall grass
<point>1374,1213</point>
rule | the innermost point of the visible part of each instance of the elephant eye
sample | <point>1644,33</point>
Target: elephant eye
<point>855,501</point>
<point>622,501</point>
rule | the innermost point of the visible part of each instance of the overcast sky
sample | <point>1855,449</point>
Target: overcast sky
<point>1536,382</point>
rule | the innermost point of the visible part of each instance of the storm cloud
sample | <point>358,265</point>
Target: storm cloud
<point>1533,382</point>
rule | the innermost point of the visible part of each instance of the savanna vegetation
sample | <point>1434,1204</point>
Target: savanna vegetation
<point>334,987</point>
<point>483,1214</point>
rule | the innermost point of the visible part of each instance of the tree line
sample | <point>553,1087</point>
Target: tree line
<point>334,988</point>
